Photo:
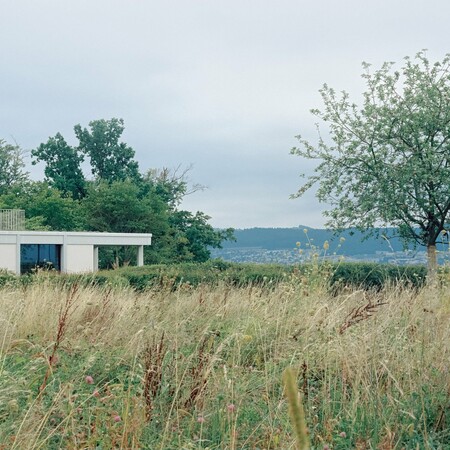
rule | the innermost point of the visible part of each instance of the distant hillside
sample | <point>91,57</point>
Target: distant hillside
<point>355,242</point>
<point>278,245</point>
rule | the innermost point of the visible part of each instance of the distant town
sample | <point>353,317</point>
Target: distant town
<point>301,244</point>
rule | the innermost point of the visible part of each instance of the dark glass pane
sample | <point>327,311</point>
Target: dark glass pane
<point>44,256</point>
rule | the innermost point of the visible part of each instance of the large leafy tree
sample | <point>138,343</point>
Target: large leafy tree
<point>123,207</point>
<point>63,166</point>
<point>111,160</point>
<point>387,161</point>
<point>120,207</point>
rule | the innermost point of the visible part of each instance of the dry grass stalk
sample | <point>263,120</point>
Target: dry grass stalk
<point>198,374</point>
<point>359,314</point>
<point>153,364</point>
<point>64,312</point>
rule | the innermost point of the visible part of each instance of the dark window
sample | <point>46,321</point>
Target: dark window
<point>44,256</point>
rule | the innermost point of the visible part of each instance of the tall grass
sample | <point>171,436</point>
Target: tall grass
<point>202,367</point>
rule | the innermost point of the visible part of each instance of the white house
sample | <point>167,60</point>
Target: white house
<point>71,252</point>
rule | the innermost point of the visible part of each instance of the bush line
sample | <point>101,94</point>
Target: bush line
<point>336,275</point>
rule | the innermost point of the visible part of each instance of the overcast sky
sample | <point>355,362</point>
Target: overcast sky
<point>222,85</point>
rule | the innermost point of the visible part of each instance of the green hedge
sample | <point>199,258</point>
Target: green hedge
<point>355,275</point>
<point>213,272</point>
<point>376,276</point>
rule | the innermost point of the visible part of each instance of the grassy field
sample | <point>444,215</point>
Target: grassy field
<point>86,367</point>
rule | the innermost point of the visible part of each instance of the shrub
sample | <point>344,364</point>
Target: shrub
<point>214,272</point>
<point>376,276</point>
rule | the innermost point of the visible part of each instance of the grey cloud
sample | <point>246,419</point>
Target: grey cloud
<point>223,85</point>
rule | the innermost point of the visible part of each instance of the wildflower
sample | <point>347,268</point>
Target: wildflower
<point>343,434</point>
<point>89,379</point>
<point>96,393</point>
<point>342,239</point>
<point>231,407</point>
<point>298,244</point>
<point>326,245</point>
<point>305,231</point>
<point>117,418</point>
<point>200,419</point>
<point>326,447</point>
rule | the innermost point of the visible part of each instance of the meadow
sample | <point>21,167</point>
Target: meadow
<point>103,366</point>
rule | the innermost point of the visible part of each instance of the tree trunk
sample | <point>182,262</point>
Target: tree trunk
<point>432,262</point>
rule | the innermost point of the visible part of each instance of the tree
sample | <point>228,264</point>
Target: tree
<point>388,162</point>
<point>119,199</point>
<point>171,185</point>
<point>63,166</point>
<point>193,236</point>
<point>121,207</point>
<point>11,167</point>
<point>190,236</point>
<point>111,160</point>
<point>45,208</point>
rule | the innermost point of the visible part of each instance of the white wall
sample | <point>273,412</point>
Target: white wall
<point>8,257</point>
<point>79,258</point>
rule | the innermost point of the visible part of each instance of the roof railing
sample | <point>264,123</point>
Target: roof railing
<point>12,219</point>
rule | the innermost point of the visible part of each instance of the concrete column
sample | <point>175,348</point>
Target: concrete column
<point>18,254</point>
<point>140,255</point>
<point>63,255</point>
<point>95,258</point>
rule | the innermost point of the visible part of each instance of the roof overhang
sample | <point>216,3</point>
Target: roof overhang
<point>74,238</point>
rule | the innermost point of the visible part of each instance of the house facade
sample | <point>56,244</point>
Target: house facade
<point>69,252</point>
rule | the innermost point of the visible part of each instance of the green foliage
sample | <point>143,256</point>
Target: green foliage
<point>119,207</point>
<point>209,273</point>
<point>45,208</point>
<point>111,160</point>
<point>127,207</point>
<point>171,185</point>
<point>378,276</point>
<point>189,237</point>
<point>333,277</point>
<point>62,170</point>
<point>389,159</point>
<point>193,236</point>
<point>119,200</point>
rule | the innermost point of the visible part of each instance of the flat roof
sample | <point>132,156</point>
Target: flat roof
<point>74,238</point>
